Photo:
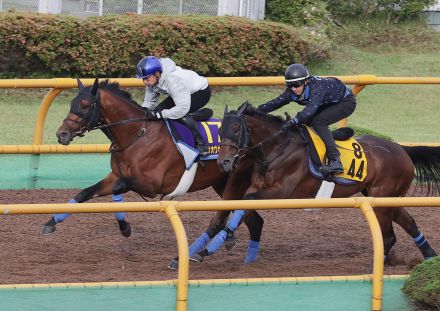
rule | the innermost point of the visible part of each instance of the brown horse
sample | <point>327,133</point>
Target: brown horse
<point>281,168</point>
<point>144,158</point>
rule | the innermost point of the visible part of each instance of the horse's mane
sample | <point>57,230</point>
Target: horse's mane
<point>114,88</point>
<point>252,111</point>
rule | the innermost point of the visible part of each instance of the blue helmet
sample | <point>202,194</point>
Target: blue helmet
<point>148,66</point>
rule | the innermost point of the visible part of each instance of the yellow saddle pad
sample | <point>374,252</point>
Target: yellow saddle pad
<point>352,156</point>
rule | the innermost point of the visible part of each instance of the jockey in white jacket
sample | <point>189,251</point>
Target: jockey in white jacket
<point>186,90</point>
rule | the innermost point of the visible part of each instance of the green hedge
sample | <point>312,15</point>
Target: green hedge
<point>58,45</point>
<point>423,284</point>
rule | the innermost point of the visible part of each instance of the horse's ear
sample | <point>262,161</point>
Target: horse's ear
<point>288,117</point>
<point>242,107</point>
<point>95,87</point>
<point>80,85</point>
<point>226,111</point>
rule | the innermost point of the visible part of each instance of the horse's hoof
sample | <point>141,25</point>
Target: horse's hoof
<point>196,258</point>
<point>125,228</point>
<point>231,243</point>
<point>49,227</point>
<point>173,265</point>
<point>48,230</point>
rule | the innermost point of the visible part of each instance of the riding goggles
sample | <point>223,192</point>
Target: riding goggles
<point>295,84</point>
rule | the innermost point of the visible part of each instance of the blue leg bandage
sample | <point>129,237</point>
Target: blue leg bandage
<point>120,215</point>
<point>199,244</point>
<point>61,217</point>
<point>216,242</point>
<point>252,252</point>
<point>235,219</point>
<point>420,240</point>
<point>220,237</point>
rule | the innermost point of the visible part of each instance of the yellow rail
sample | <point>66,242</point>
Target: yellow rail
<point>42,149</point>
<point>99,148</point>
<point>171,209</point>
<point>57,85</point>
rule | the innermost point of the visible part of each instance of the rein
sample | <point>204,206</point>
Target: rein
<point>241,152</point>
<point>92,117</point>
<point>241,144</point>
<point>104,126</point>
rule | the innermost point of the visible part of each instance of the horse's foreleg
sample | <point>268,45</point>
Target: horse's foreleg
<point>102,188</point>
<point>216,224</point>
<point>404,219</point>
<point>124,226</point>
<point>220,237</point>
<point>255,224</point>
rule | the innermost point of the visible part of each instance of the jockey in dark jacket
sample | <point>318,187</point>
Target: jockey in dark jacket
<point>326,101</point>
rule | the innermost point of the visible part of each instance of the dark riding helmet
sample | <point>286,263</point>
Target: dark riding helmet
<point>295,75</point>
<point>148,66</point>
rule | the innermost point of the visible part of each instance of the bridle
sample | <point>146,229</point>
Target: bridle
<point>91,120</point>
<point>240,141</point>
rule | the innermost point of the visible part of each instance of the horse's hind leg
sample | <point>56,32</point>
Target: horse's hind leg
<point>102,188</point>
<point>385,216</point>
<point>404,219</point>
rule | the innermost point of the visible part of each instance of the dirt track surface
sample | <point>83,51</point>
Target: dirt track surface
<point>90,248</point>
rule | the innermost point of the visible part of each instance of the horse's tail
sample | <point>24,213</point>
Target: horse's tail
<point>426,160</point>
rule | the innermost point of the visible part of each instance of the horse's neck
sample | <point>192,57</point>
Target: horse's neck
<point>260,129</point>
<point>274,142</point>
<point>113,110</point>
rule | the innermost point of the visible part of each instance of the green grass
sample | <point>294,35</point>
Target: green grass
<point>402,112</point>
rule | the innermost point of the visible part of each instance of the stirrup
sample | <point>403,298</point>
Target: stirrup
<point>336,169</point>
<point>329,170</point>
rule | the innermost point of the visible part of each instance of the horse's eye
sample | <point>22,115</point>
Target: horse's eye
<point>83,105</point>
<point>235,128</point>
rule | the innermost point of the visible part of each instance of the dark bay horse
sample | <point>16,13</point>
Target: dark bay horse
<point>281,168</point>
<point>144,158</point>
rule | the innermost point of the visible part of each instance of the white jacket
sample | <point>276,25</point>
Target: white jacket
<point>179,84</point>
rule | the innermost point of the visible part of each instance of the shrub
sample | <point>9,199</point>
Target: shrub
<point>59,45</point>
<point>423,284</point>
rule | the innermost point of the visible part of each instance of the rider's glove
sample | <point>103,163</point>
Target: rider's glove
<point>288,124</point>
<point>151,115</point>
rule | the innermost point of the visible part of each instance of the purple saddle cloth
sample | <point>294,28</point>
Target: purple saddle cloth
<point>209,130</point>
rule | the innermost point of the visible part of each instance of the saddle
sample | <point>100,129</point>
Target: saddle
<point>352,155</point>
<point>182,137</point>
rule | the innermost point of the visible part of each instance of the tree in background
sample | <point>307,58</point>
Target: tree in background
<point>310,14</point>
<point>318,13</point>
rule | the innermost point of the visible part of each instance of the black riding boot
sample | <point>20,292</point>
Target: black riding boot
<point>199,143</point>
<point>333,166</point>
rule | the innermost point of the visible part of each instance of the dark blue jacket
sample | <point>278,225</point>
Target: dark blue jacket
<point>318,92</point>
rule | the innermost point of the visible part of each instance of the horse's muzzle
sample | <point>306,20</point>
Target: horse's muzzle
<point>225,165</point>
<point>64,137</point>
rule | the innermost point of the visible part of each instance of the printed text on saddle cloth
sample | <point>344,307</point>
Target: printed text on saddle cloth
<point>208,129</point>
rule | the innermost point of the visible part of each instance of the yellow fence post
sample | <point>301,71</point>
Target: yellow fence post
<point>378,254</point>
<point>42,113</point>
<point>182,250</point>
